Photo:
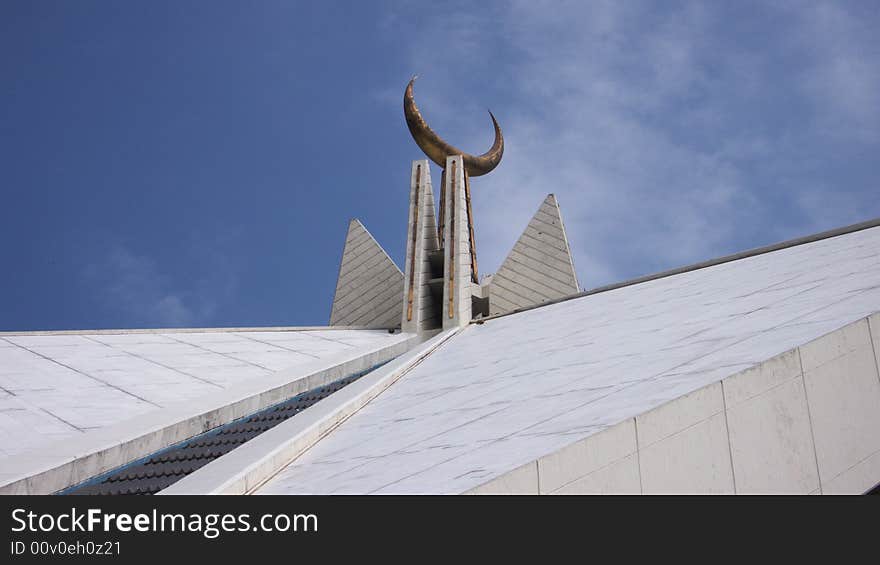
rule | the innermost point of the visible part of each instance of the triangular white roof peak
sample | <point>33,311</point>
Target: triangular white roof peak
<point>539,268</point>
<point>370,285</point>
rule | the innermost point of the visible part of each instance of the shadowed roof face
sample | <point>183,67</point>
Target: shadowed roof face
<point>518,387</point>
<point>54,387</point>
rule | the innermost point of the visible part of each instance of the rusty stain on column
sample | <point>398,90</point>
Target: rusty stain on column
<point>452,243</point>
<point>415,241</point>
<point>470,216</point>
<point>441,224</point>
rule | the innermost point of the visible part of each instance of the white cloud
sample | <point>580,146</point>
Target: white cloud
<point>844,77</point>
<point>144,295</point>
<point>638,117</point>
<point>133,285</point>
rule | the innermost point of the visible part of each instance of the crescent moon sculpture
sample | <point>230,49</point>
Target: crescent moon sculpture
<point>437,149</point>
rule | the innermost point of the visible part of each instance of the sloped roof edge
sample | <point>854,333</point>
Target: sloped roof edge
<point>868,224</point>
<point>185,330</point>
<point>54,466</point>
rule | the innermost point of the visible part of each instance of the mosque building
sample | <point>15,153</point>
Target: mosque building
<point>750,373</point>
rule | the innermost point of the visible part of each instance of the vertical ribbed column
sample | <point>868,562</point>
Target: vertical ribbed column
<point>456,306</point>
<point>420,311</point>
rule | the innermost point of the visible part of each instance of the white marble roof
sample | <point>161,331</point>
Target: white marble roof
<point>515,388</point>
<point>68,383</point>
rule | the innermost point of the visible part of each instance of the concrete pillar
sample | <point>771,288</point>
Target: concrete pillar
<point>456,306</point>
<point>420,310</point>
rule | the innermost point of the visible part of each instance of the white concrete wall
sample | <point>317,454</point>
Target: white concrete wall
<point>843,389</point>
<point>457,254</point>
<point>425,315</point>
<point>806,421</point>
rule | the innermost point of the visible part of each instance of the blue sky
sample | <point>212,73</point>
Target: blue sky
<point>175,163</point>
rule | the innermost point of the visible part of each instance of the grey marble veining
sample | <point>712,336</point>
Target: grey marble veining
<point>58,386</point>
<point>518,387</point>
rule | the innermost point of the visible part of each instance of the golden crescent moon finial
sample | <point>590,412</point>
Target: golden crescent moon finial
<point>437,149</point>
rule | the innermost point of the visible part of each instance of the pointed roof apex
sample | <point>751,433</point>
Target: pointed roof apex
<point>539,267</point>
<point>369,285</point>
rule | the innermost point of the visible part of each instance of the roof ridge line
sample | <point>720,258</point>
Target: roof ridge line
<point>852,228</point>
<point>123,331</point>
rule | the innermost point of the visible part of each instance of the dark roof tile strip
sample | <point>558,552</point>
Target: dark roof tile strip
<point>160,470</point>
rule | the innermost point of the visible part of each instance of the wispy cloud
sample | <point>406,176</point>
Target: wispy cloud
<point>667,135</point>
<point>843,78</point>
<point>137,290</point>
<point>133,284</point>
